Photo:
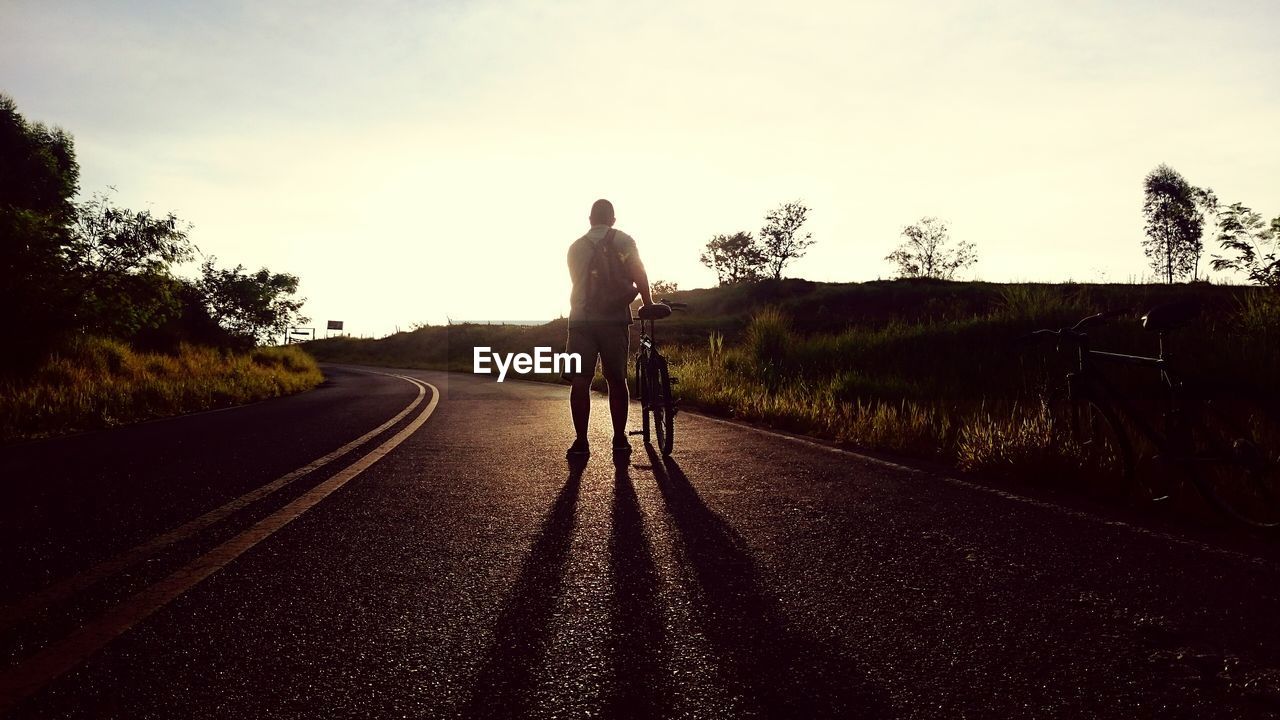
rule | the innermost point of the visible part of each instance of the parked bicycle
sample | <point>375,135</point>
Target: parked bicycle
<point>653,381</point>
<point>1224,440</point>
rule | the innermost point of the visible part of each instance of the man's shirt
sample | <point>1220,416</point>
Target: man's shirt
<point>580,254</point>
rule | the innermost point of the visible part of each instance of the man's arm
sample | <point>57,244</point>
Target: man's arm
<point>635,268</point>
<point>641,279</point>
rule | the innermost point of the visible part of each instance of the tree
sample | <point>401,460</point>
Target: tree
<point>1174,225</point>
<point>251,306</point>
<point>1206,203</point>
<point>39,177</point>
<point>780,240</point>
<point>1254,244</point>
<point>664,287</point>
<point>121,261</point>
<point>734,258</point>
<point>926,252</point>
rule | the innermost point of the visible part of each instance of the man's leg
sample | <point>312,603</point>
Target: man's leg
<point>613,364</point>
<point>583,342</point>
<point>580,404</point>
<point>619,404</point>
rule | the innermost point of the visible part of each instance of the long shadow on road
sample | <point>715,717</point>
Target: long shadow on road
<point>637,619</point>
<point>505,682</point>
<point>787,673</point>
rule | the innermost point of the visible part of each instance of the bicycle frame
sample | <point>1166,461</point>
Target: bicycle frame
<point>646,336</point>
<point>1087,380</point>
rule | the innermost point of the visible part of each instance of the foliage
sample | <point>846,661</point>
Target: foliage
<point>1206,207</point>
<point>1174,224</point>
<point>251,306</point>
<point>116,240</point>
<point>926,252</point>
<point>1254,244</point>
<point>664,287</point>
<point>97,382</point>
<point>780,238</point>
<point>119,261</point>
<point>38,178</point>
<point>94,268</point>
<point>734,258</point>
<point>768,341</point>
<point>715,347</point>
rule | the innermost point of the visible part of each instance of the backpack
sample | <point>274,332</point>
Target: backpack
<point>609,289</point>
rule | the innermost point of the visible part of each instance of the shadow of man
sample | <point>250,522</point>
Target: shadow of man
<point>636,618</point>
<point>505,683</point>
<point>788,673</point>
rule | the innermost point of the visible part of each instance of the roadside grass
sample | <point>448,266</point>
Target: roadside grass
<point>923,368</point>
<point>970,391</point>
<point>99,383</point>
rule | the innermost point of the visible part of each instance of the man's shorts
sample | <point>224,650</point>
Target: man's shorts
<point>607,341</point>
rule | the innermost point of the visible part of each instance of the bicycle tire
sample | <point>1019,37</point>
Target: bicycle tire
<point>664,415</point>
<point>642,392</point>
<point>1235,459</point>
<point>1105,450</point>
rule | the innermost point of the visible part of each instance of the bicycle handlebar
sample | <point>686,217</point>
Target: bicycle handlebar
<point>1075,332</point>
<point>1099,317</point>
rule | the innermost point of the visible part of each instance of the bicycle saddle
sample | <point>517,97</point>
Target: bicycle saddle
<point>1163,318</point>
<point>656,311</point>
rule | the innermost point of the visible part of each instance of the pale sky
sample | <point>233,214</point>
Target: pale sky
<point>413,161</point>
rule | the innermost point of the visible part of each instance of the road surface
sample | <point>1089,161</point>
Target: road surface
<point>417,546</point>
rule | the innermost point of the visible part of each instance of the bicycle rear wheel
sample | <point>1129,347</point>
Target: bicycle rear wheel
<point>1104,451</point>
<point>664,410</point>
<point>1235,459</point>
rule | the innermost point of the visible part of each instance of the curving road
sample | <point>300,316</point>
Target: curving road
<point>416,546</point>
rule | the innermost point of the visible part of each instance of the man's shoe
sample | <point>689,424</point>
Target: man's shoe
<point>579,448</point>
<point>621,445</point>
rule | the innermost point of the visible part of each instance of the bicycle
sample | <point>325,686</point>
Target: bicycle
<point>658,406</point>
<point>1225,442</point>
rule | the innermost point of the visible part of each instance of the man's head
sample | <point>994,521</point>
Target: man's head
<point>602,213</point>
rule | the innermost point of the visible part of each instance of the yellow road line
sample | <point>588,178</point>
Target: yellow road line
<point>61,590</point>
<point>40,669</point>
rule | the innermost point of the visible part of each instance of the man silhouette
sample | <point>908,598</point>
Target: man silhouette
<point>601,331</point>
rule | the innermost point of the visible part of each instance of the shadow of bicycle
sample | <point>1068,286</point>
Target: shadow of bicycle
<point>787,672</point>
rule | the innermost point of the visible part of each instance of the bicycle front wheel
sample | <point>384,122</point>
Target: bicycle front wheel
<point>664,411</point>
<point>642,392</point>
<point>1235,459</point>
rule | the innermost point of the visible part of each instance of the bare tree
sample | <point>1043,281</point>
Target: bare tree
<point>927,251</point>
<point>780,238</point>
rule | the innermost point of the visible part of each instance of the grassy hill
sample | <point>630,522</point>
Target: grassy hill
<point>925,368</point>
<point>812,308</point>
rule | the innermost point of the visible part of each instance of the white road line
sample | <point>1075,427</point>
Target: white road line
<point>62,590</point>
<point>37,671</point>
<point>1042,504</point>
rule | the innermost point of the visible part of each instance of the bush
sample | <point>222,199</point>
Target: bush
<point>769,340</point>
<point>98,383</point>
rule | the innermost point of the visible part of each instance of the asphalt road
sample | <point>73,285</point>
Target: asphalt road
<point>380,548</point>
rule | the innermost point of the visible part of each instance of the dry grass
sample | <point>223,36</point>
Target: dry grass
<point>100,383</point>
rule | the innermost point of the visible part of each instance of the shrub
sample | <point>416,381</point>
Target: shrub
<point>769,340</point>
